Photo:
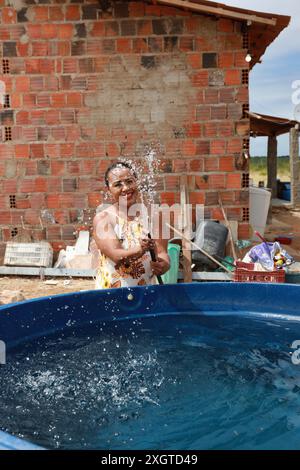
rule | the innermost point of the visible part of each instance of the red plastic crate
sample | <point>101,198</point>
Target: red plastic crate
<point>245,273</point>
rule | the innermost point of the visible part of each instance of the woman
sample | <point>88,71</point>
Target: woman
<point>124,257</point>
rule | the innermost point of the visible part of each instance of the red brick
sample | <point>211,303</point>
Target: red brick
<point>52,201</point>
<point>144,28</point>
<point>152,10</point>
<point>140,45</point>
<point>210,129</point>
<point>240,60</point>
<point>200,79</point>
<point>225,25</point>
<point>32,217</point>
<point>169,198</point>
<point>197,164</point>
<point>194,130</point>
<point>197,197</point>
<point>56,13</point>
<point>39,48</point>
<point>40,185</point>
<point>94,199</point>
<point>211,164</point>
<point>218,112</point>
<point>216,214</point>
<point>70,65</point>
<point>5,217</point>
<point>65,31</point>
<point>37,201</point>
<point>74,99</point>
<point>22,151</point>
<point>22,117</point>
<point>226,164</point>
<point>233,181</point>
<point>37,150</point>
<point>234,146</point>
<point>203,113</point>
<point>29,100</point>
<point>66,150</point>
<point>23,204</point>
<point>52,150</point>
<point>124,45</point>
<point>226,60</point>
<point>34,31</point>
<point>191,25</point>
<point>243,231</point>
<point>22,84</point>
<point>10,186</point>
<point>22,49</point>
<point>57,168</point>
<point>52,116</point>
<point>72,12</point>
<point>189,148</point>
<point>201,182</point>
<point>58,100</point>
<point>98,29</point>
<point>112,150</point>
<point>9,15</point>
<point>136,9</point>
<point>225,128</point>
<point>217,147</point>
<point>217,181</point>
<point>27,185</point>
<point>16,101</point>
<point>232,77</point>
<point>211,96</point>
<point>58,133</point>
<point>41,13</point>
<point>194,60</point>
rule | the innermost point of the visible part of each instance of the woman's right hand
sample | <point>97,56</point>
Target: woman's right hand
<point>147,244</point>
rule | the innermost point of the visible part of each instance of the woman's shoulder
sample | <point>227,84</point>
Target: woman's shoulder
<point>105,214</point>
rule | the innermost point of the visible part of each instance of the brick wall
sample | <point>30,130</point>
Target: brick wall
<point>88,82</point>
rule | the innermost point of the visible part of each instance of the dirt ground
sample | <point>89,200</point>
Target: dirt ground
<point>284,222</point>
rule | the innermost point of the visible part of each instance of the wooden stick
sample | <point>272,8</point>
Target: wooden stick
<point>229,229</point>
<point>198,248</point>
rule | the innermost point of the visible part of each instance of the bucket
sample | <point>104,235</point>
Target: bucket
<point>171,276</point>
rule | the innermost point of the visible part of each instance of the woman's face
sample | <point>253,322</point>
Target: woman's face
<point>122,185</point>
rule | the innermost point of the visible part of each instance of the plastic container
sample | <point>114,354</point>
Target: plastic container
<point>245,273</point>
<point>284,190</point>
<point>28,254</point>
<point>211,237</point>
<point>171,276</point>
<point>259,207</point>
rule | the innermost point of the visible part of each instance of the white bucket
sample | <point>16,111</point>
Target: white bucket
<point>259,208</point>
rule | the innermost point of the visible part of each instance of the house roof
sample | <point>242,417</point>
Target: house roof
<point>262,125</point>
<point>263,27</point>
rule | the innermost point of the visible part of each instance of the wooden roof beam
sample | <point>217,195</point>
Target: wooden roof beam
<point>218,11</point>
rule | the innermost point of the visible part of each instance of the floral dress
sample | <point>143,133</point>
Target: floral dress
<point>129,273</point>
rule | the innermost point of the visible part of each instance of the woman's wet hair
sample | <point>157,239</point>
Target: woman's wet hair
<point>117,165</point>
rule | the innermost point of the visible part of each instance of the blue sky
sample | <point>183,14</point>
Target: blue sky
<point>271,81</point>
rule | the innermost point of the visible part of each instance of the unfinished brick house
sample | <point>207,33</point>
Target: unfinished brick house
<point>84,82</point>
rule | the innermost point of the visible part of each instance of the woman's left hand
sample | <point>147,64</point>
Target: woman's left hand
<point>159,267</point>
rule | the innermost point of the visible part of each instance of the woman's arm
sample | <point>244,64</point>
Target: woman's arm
<point>162,265</point>
<point>108,243</point>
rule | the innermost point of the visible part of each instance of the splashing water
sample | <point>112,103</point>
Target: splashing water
<point>183,382</point>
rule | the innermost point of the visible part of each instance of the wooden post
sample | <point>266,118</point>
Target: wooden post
<point>186,225</point>
<point>272,164</point>
<point>295,167</point>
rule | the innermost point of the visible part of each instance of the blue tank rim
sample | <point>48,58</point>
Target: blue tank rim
<point>282,298</point>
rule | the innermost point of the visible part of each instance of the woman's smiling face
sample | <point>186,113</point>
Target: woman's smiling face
<point>122,185</point>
